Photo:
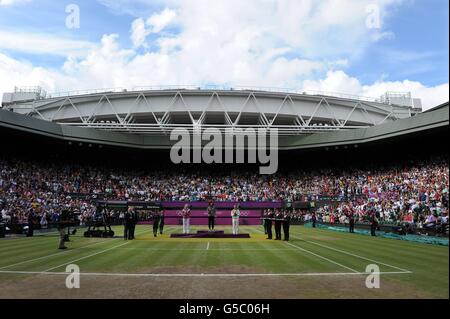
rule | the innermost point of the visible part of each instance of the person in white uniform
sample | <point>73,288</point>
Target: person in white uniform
<point>186,214</point>
<point>235,213</point>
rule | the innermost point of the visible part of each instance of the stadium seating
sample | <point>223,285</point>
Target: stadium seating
<point>415,194</point>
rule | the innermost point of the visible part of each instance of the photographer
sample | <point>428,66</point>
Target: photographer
<point>64,220</point>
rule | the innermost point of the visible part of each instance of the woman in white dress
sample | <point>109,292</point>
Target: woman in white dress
<point>235,213</point>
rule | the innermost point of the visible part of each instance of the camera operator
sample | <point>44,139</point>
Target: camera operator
<point>64,221</point>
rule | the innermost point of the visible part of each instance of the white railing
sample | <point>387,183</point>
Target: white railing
<point>40,93</point>
<point>85,92</point>
<point>214,88</point>
<point>158,129</point>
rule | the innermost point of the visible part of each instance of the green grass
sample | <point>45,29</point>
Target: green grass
<point>412,269</point>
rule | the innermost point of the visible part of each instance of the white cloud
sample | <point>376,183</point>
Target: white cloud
<point>236,43</point>
<point>111,66</point>
<point>339,81</point>
<point>334,82</point>
<point>138,32</point>
<point>431,96</point>
<point>313,28</point>
<point>140,29</point>
<point>22,73</point>
<point>43,44</point>
<point>159,21</point>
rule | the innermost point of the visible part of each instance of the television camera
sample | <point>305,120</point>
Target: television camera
<point>99,225</point>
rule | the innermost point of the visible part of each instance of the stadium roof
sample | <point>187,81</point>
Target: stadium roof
<point>438,117</point>
<point>155,112</point>
<point>443,105</point>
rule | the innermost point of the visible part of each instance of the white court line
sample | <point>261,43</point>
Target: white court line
<point>62,252</point>
<point>24,242</point>
<point>207,275</point>
<point>324,258</point>
<point>151,230</point>
<point>47,256</point>
<point>351,254</point>
<point>207,246</point>
<point>201,249</point>
<point>85,257</point>
<point>354,255</point>
<point>94,254</point>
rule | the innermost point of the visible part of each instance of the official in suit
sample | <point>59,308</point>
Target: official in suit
<point>286,225</point>
<point>211,211</point>
<point>373,222</point>
<point>270,216</point>
<point>265,213</point>
<point>278,223</point>
<point>161,221</point>
<point>314,219</point>
<point>30,222</point>
<point>156,221</point>
<point>351,220</point>
<point>127,222</point>
<point>134,220</point>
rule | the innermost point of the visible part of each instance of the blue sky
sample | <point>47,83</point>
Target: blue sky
<point>419,50</point>
<point>321,45</point>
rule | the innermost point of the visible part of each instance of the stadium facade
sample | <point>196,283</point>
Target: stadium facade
<point>143,118</point>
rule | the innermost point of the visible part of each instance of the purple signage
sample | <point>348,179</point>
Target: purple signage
<point>223,217</point>
<point>251,212</point>
<point>223,205</point>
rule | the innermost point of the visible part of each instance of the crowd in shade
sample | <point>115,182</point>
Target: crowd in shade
<point>403,192</point>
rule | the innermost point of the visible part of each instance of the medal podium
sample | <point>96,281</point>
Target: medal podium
<point>209,234</point>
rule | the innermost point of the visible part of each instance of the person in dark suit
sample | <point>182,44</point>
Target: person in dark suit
<point>156,221</point>
<point>351,219</point>
<point>270,216</point>
<point>278,223</point>
<point>211,210</point>
<point>265,220</point>
<point>30,222</point>
<point>127,221</point>
<point>161,221</point>
<point>286,225</point>
<point>373,222</point>
<point>314,219</point>
<point>134,220</point>
<point>352,222</point>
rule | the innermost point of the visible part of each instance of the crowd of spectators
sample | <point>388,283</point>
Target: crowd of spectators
<point>415,193</point>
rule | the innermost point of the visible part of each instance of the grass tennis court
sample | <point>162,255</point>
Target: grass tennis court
<point>315,263</point>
